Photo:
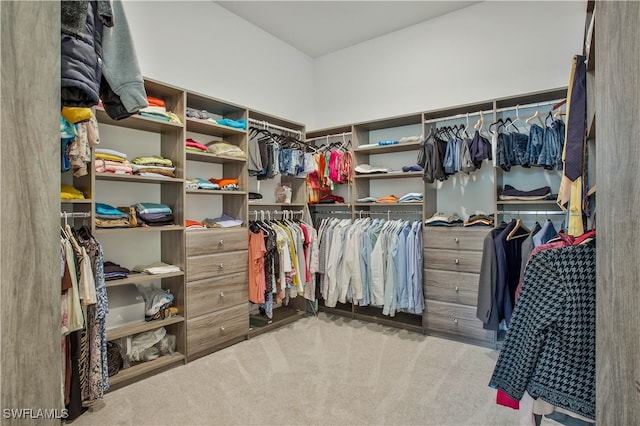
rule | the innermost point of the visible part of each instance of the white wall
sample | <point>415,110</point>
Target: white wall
<point>200,46</point>
<point>488,50</point>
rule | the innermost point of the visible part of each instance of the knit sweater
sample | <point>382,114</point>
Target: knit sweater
<point>549,349</point>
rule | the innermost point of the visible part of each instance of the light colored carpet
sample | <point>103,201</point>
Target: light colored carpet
<point>324,370</point>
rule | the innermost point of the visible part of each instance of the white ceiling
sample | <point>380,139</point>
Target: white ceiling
<point>320,27</point>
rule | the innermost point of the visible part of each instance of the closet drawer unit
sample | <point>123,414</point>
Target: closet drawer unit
<point>453,260</point>
<point>454,321</point>
<point>214,294</point>
<point>454,238</point>
<point>215,265</point>
<point>216,241</point>
<point>217,328</point>
<point>452,287</point>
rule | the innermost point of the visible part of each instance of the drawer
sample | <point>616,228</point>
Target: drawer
<point>217,328</point>
<point>215,265</point>
<point>453,260</point>
<point>454,238</point>
<point>216,241</point>
<point>214,294</point>
<point>454,320</point>
<point>453,287</point>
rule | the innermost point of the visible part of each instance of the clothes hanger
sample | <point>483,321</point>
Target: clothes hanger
<point>536,115</point>
<point>518,228</point>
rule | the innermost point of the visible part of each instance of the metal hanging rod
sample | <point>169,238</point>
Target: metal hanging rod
<point>274,126</point>
<point>70,215</point>
<point>490,111</point>
<point>531,105</point>
<point>532,212</point>
<point>458,116</point>
<point>329,136</point>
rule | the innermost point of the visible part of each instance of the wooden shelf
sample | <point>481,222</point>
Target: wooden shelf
<point>138,277</point>
<point>75,201</point>
<point>410,203</point>
<point>144,368</point>
<point>138,122</point>
<point>392,175</point>
<point>386,149</point>
<point>281,317</point>
<point>211,128</point>
<point>215,192</point>
<point>212,158</point>
<point>136,178</point>
<point>140,229</point>
<point>317,205</point>
<point>526,202</point>
<point>140,327</point>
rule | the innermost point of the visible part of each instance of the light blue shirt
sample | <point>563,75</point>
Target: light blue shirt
<point>547,232</point>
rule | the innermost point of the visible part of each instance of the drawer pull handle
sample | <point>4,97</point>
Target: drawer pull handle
<point>456,289</point>
<point>221,243</point>
<point>457,261</point>
<point>456,240</point>
<point>222,328</point>
<point>222,294</point>
<point>221,266</point>
<point>455,320</point>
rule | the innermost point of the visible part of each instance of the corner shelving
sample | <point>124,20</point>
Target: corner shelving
<point>143,136</point>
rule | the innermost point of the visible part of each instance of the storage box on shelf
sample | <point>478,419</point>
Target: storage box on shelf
<point>144,136</point>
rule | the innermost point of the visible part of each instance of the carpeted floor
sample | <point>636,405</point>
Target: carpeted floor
<point>319,370</point>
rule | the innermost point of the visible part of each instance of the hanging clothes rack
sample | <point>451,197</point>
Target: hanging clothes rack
<point>335,135</point>
<point>532,212</point>
<point>71,215</point>
<point>458,116</point>
<point>531,105</point>
<point>274,126</point>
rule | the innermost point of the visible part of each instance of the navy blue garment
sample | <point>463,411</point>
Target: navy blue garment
<point>519,142</point>
<point>577,122</point>
<point>509,257</point>
<point>546,157</point>
<point>504,151</point>
<point>480,149</point>
<point>534,144</point>
<point>501,271</point>
<point>558,128</point>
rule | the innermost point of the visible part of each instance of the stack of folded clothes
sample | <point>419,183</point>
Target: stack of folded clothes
<point>110,217</point>
<point>226,149</point>
<point>157,109</point>
<point>366,169</point>
<point>415,168</point>
<point>112,161</point>
<point>113,271</point>
<point>195,146</point>
<point>156,268</point>
<point>68,192</point>
<point>366,200</point>
<point>224,221</point>
<point>194,224</point>
<point>200,114</point>
<point>388,199</point>
<point>153,166</point>
<point>511,193</point>
<point>200,183</point>
<point>154,214</point>
<point>237,124</point>
<point>441,219</point>
<point>226,184</point>
<point>411,197</point>
<point>479,219</point>
<point>331,199</point>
